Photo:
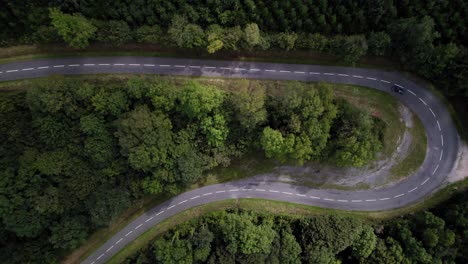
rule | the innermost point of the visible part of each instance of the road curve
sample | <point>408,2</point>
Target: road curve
<point>442,137</point>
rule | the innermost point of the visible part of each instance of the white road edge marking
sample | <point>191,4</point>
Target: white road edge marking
<point>420,99</point>
<point>414,189</point>
<point>424,182</point>
<point>436,168</point>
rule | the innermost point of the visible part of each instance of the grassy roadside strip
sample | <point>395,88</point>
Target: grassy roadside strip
<point>282,208</point>
<point>416,154</point>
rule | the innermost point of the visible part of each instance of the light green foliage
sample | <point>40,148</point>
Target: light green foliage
<point>252,35</point>
<point>173,252</point>
<point>272,143</point>
<point>249,105</point>
<point>163,95</point>
<point>365,243</point>
<point>285,40</point>
<point>110,102</point>
<point>215,129</point>
<point>290,250</point>
<point>215,34</point>
<point>186,35</point>
<point>388,251</point>
<point>245,236</point>
<point>197,101</point>
<point>76,30</point>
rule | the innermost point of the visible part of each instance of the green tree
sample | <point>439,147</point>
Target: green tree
<point>364,244</point>
<point>186,35</point>
<point>197,100</point>
<point>215,129</point>
<point>252,36</point>
<point>75,29</point>
<point>113,32</point>
<point>149,34</point>
<point>214,35</point>
<point>69,233</point>
<point>379,43</point>
<point>272,142</point>
<point>173,252</point>
<point>106,204</point>
<point>286,40</point>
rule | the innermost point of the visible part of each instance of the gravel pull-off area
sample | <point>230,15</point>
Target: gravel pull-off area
<point>460,170</point>
<point>374,175</point>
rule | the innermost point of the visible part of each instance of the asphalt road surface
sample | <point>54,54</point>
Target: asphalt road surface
<point>442,137</point>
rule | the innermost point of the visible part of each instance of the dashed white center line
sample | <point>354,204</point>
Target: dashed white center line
<point>371,78</point>
<point>430,109</point>
<point>149,219</point>
<point>102,255</point>
<point>220,191</point>
<point>358,76</point>
<point>12,71</point>
<point>442,139</point>
<point>273,191</point>
<point>149,65</point>
<point>411,92</point>
<point>240,69</point>
<point>300,195</point>
<point>315,73</point>
<point>396,84</point>
<point>159,213</point>
<point>260,190</point>
<point>299,72</point>
<point>209,67</point>
<point>371,200</point>
<point>109,249</point>
<point>384,199</point>
<point>179,66</point>
<point>270,70</point>
<point>441,154</point>
<point>138,226</point>
<point>284,71</point>
<point>233,190</point>
<point>399,195</point>
<point>356,201</point>
<point>438,124</point>
<point>103,64</point>
<point>225,68</point>
<point>170,207</point>
<point>328,73</point>
<point>194,67</point>
<point>74,65</point>
<point>205,194</point>
<point>43,67</point>
<point>59,66</point>
<point>288,193</point>
<point>195,197</point>
<point>420,99</point>
<point>424,182</point>
<point>384,81</point>
<point>164,65</point>
<point>27,69</point>
<point>89,64</point>
<point>343,201</point>
<point>412,190</point>
<point>436,168</point>
<point>328,199</point>
<point>119,64</point>
<point>184,201</point>
<point>254,70</point>
<point>341,74</point>
<point>120,240</point>
<point>246,189</point>
<point>93,262</point>
<point>134,64</point>
<point>129,233</point>
<point>315,197</point>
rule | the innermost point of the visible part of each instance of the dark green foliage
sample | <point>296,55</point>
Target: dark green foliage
<point>114,33</point>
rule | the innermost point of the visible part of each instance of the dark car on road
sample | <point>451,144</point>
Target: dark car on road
<point>398,89</point>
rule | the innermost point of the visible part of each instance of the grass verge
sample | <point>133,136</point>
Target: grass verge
<point>416,154</point>
<point>282,208</point>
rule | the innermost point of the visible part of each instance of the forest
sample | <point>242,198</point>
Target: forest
<point>426,37</point>
<point>233,236</point>
<point>75,154</point>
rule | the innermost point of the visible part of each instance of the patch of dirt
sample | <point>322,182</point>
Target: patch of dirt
<point>460,170</point>
<point>373,175</point>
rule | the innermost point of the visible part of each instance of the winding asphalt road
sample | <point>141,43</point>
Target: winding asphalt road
<point>443,140</point>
